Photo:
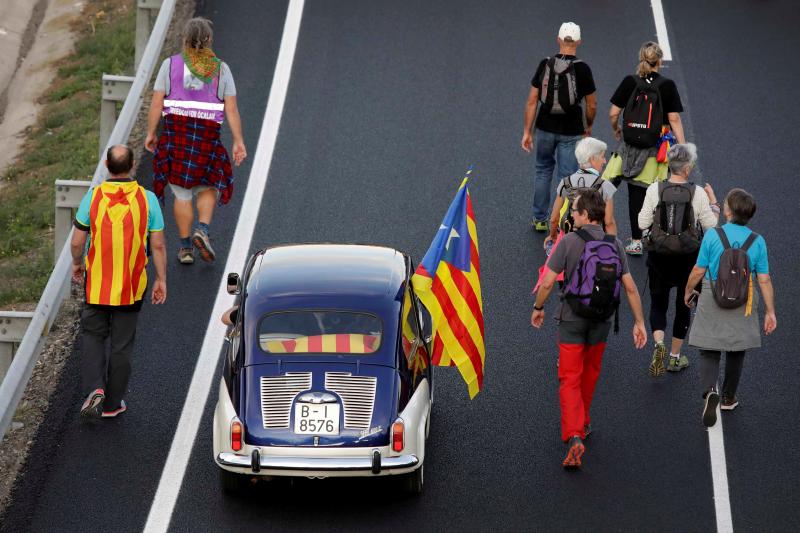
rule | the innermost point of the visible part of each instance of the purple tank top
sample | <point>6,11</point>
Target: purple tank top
<point>191,97</point>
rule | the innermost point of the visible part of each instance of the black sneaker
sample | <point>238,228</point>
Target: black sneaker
<point>574,453</point>
<point>91,405</point>
<point>111,413</point>
<point>710,409</point>
<point>203,244</point>
<point>186,256</point>
<point>729,403</point>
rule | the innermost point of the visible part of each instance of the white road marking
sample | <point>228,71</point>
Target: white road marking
<point>716,441</point>
<point>719,474</point>
<point>661,29</point>
<point>177,460</point>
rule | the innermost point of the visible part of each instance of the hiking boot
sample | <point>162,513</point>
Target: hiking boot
<point>710,408</point>
<point>203,244</point>
<point>729,403</point>
<point>634,247</point>
<point>676,364</point>
<point>540,225</point>
<point>186,256</point>
<point>91,405</point>
<point>657,363</point>
<point>114,412</point>
<point>574,453</point>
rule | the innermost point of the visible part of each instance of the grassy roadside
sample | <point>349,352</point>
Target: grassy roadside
<point>62,145</point>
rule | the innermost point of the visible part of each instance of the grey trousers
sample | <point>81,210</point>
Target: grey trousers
<point>98,371</point>
<point>709,371</point>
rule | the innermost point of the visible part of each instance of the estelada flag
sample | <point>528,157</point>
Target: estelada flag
<point>447,281</point>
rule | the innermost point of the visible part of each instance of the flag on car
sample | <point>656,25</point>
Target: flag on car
<point>447,281</point>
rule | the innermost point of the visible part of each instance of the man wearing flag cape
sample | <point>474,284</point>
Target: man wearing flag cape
<point>447,281</point>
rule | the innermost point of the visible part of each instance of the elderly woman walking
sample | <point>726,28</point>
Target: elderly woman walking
<point>728,321</point>
<point>194,92</point>
<point>676,213</point>
<point>640,167</point>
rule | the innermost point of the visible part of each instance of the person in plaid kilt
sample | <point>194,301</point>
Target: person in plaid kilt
<point>194,92</point>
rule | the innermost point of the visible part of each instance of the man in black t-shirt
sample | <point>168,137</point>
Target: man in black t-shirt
<point>560,83</point>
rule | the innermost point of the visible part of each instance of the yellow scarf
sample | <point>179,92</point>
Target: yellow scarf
<point>202,62</point>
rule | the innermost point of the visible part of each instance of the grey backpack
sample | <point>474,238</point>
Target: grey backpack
<point>559,86</point>
<point>674,230</point>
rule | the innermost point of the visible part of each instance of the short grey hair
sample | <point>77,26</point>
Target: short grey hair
<point>681,156</point>
<point>587,148</point>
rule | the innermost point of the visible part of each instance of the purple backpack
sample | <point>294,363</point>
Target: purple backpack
<point>593,289</point>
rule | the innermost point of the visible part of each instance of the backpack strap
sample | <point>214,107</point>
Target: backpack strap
<point>750,240</point>
<point>583,234</point>
<point>549,63</point>
<point>723,238</point>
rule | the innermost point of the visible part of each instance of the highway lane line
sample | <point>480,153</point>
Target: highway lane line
<point>174,470</point>
<point>661,29</point>
<point>719,474</point>
<point>716,441</point>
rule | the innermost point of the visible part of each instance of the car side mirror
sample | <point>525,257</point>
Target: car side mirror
<point>234,283</point>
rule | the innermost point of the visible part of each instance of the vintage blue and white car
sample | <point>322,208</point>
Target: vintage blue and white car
<point>327,370</point>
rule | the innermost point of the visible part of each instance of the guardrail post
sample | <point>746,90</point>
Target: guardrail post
<point>13,325</point>
<point>115,89</point>
<point>146,13</point>
<point>69,194</point>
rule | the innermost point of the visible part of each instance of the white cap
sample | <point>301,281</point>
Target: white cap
<point>569,30</point>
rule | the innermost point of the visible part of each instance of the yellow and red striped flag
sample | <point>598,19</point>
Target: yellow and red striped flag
<point>447,281</point>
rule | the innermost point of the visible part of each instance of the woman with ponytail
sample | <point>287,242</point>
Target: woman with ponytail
<point>640,167</point>
<point>194,92</point>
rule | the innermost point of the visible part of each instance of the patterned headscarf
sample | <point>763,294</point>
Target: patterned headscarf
<point>202,62</point>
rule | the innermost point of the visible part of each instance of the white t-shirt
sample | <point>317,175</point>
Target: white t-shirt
<point>226,85</point>
<point>700,204</point>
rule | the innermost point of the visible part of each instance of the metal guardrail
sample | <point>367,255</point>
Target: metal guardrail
<point>30,347</point>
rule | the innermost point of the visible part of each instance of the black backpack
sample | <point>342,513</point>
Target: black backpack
<point>643,115</point>
<point>566,223</point>
<point>674,230</point>
<point>732,288</point>
<point>559,85</point>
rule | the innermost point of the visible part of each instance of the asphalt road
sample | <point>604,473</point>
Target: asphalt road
<point>388,105</point>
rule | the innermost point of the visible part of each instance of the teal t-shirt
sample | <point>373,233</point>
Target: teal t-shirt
<point>155,218</point>
<point>711,249</point>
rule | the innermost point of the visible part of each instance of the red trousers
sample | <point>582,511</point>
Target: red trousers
<point>578,370</point>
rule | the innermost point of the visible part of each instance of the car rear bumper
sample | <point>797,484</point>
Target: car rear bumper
<point>300,465</point>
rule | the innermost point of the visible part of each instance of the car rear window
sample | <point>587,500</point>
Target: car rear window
<point>334,332</point>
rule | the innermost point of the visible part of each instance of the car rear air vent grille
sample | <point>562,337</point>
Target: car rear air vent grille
<point>358,397</point>
<point>277,395</point>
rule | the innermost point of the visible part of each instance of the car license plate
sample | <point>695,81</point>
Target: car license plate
<point>316,419</point>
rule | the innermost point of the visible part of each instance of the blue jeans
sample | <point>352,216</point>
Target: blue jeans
<point>551,148</point>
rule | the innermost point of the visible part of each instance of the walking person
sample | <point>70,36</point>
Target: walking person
<point>727,309</point>
<point>596,269</point>
<point>120,220</point>
<point>676,214</point>
<point>652,108</point>
<point>195,92</point>
<point>560,84</point>
<point>591,156</point>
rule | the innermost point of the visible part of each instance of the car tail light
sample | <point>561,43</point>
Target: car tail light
<point>398,428</point>
<point>236,435</point>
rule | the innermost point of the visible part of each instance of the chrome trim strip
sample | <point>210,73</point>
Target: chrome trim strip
<point>277,395</point>
<point>358,397</point>
<point>316,463</point>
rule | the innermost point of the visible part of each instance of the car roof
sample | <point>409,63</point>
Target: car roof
<point>305,272</point>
